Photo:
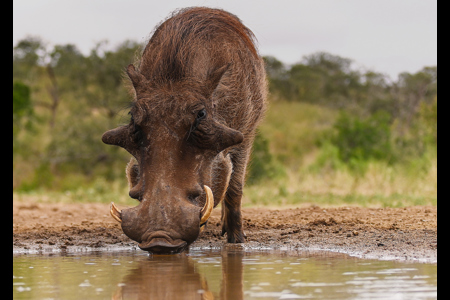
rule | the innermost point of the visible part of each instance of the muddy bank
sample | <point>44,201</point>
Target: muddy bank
<point>390,233</point>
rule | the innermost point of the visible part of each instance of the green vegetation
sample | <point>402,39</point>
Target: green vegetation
<point>318,172</point>
<point>333,135</point>
<point>22,110</point>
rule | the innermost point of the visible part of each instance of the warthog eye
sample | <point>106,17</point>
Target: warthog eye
<point>201,115</point>
<point>137,134</point>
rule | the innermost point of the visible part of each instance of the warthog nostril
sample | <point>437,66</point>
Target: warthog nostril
<point>194,198</point>
<point>136,192</point>
<point>194,195</point>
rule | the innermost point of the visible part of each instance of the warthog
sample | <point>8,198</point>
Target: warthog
<point>200,90</point>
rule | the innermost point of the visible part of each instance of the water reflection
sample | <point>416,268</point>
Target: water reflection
<point>164,277</point>
<point>176,277</point>
<point>227,273</point>
<point>232,286</point>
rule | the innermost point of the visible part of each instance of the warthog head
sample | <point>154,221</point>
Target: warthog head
<point>175,138</point>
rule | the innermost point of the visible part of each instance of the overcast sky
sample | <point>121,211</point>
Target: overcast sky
<point>387,36</point>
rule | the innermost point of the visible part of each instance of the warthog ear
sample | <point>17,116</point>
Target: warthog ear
<point>216,136</point>
<point>120,136</point>
<point>136,78</point>
<point>227,137</point>
<point>117,136</point>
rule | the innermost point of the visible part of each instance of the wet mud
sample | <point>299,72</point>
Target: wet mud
<point>382,233</point>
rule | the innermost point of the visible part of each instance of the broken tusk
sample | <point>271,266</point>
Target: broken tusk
<point>115,213</point>
<point>209,204</point>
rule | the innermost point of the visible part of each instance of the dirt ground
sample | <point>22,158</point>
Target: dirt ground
<point>382,233</point>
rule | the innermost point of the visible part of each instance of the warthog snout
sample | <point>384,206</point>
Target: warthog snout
<point>138,225</point>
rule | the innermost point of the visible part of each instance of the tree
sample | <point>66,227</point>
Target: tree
<point>306,83</point>
<point>22,109</point>
<point>68,62</point>
<point>375,94</point>
<point>106,72</point>
<point>329,63</point>
<point>412,90</point>
<point>323,78</point>
<point>27,54</point>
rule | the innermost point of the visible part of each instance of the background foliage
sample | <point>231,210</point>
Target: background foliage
<point>333,132</point>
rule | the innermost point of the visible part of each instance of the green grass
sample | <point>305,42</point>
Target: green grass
<point>299,199</point>
<point>342,188</point>
<point>294,128</point>
<point>100,191</point>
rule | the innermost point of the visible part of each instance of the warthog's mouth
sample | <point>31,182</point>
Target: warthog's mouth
<point>161,243</point>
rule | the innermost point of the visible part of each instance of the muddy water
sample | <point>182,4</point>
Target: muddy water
<point>219,274</point>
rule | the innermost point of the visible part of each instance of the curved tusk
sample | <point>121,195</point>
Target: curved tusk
<point>115,213</point>
<point>209,204</point>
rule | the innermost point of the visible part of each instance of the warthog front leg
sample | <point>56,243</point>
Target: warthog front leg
<point>221,174</point>
<point>231,207</point>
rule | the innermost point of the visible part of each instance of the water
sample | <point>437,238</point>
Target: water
<point>219,274</point>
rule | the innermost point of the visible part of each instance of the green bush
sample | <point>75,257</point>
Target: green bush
<point>263,164</point>
<point>21,106</point>
<point>328,159</point>
<point>428,120</point>
<point>363,139</point>
<point>42,178</point>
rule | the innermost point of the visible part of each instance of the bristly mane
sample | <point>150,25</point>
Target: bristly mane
<point>192,37</point>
